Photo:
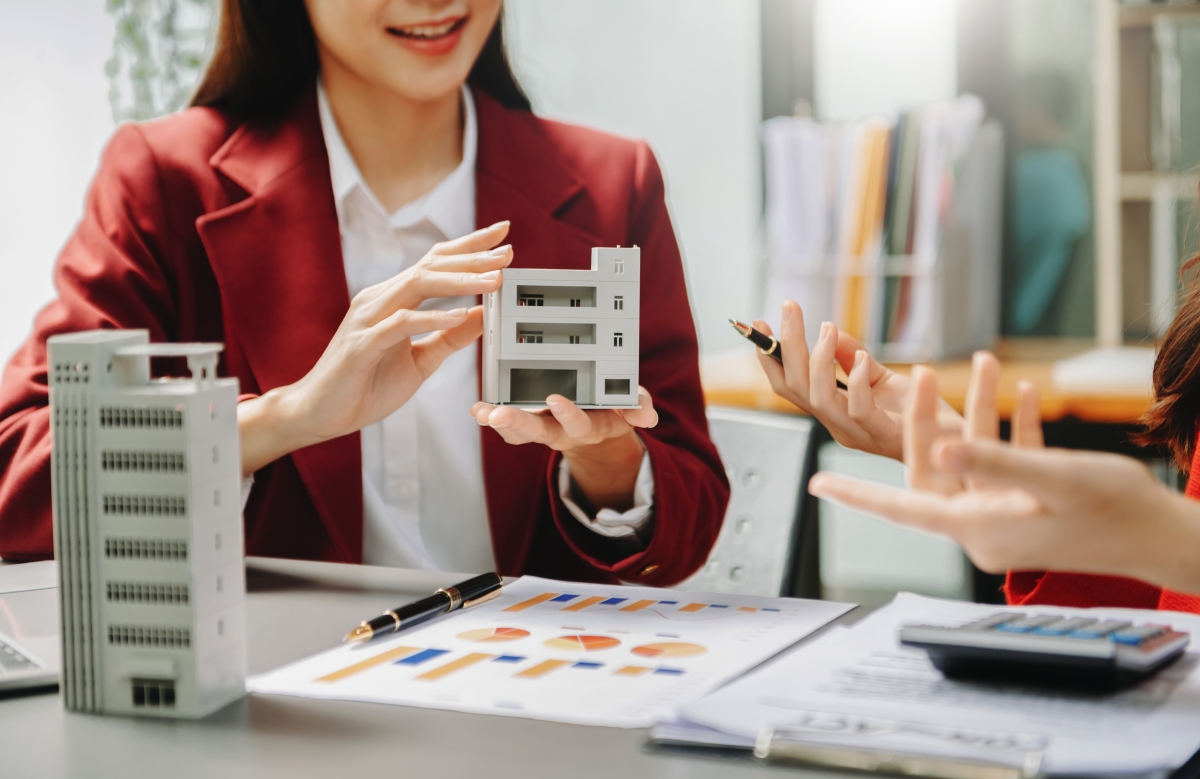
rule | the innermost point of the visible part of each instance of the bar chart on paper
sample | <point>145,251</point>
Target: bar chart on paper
<point>585,653</point>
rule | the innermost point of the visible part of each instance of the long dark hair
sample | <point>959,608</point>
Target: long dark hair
<point>266,56</point>
<point>1174,419</point>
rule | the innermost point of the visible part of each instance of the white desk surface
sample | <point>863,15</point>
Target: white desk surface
<point>294,610</point>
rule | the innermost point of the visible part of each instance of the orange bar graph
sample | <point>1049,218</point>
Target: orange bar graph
<point>749,609</point>
<point>631,670</point>
<point>454,666</point>
<point>583,604</point>
<point>370,662</point>
<point>693,607</point>
<point>638,605</point>
<point>541,669</point>
<point>545,596</point>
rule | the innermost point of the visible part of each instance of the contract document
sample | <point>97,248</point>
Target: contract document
<point>859,687</point>
<point>583,653</point>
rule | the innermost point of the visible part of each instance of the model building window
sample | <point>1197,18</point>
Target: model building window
<point>618,339</point>
<point>616,386</point>
<point>618,266</point>
<point>531,300</point>
<point>619,303</point>
<point>529,337</point>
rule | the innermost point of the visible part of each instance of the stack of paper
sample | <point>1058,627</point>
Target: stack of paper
<point>1107,369</point>
<point>585,653</point>
<point>858,687</point>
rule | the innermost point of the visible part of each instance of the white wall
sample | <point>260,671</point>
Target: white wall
<point>879,56</point>
<point>685,76</point>
<point>54,121</point>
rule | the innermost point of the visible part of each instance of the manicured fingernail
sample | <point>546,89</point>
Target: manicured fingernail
<point>826,329</point>
<point>457,312</point>
<point>505,223</point>
<point>787,313</point>
<point>816,484</point>
<point>491,275</point>
<point>859,358</point>
<point>500,251</point>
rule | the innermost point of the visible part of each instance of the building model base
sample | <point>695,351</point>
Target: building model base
<point>565,332</point>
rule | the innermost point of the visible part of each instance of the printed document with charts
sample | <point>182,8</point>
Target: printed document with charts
<point>584,653</point>
<point>858,687</point>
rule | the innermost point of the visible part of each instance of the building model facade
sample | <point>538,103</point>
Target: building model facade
<point>565,332</point>
<point>146,479</point>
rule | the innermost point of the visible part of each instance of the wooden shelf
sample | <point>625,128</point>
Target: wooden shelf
<point>735,378</point>
<point>1145,186</point>
<point>1143,15</point>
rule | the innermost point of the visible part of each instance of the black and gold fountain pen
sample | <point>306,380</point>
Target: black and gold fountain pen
<point>460,596</point>
<point>765,343</point>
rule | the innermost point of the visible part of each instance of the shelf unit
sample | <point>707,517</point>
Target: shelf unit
<point>1136,204</point>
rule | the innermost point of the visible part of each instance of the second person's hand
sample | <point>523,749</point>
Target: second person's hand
<point>867,414</point>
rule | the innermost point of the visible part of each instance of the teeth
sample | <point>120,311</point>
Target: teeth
<point>427,31</point>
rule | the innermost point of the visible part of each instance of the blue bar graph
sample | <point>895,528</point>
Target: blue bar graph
<point>422,656</point>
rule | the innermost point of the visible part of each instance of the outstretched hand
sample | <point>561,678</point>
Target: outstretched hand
<point>1022,506</point>
<point>867,414</point>
<point>373,365</point>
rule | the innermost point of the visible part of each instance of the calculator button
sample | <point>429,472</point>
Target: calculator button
<point>1063,626</point>
<point>988,623</point>
<point>1025,625</point>
<point>1135,636</point>
<point>1100,630</point>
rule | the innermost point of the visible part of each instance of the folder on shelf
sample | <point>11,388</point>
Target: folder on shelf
<point>908,214</point>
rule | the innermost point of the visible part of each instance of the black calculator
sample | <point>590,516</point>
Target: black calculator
<point>1049,649</point>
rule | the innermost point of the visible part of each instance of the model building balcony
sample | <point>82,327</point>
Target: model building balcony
<point>556,297</point>
<point>556,333</point>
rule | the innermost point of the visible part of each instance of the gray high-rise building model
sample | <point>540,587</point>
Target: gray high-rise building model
<point>146,482</point>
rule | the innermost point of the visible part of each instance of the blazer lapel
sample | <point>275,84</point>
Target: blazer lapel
<point>278,261</point>
<point>520,176</point>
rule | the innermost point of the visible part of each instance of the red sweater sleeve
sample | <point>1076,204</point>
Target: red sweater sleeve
<point>110,274</point>
<point>691,490</point>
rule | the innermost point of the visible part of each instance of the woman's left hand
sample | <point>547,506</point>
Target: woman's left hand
<point>601,446</point>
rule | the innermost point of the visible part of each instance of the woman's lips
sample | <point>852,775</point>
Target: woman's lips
<point>430,38</point>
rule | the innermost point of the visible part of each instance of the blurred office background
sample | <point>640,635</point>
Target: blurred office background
<point>1094,105</point>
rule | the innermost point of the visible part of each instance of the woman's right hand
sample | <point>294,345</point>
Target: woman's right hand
<point>1023,506</point>
<point>865,416</point>
<point>372,366</point>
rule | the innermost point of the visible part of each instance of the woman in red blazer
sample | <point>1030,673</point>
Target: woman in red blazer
<point>1071,528</point>
<point>220,224</point>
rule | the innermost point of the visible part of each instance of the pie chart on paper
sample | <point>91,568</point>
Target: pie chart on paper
<point>668,649</point>
<point>493,635</point>
<point>582,643</point>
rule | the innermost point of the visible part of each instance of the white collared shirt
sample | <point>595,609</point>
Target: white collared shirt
<point>423,496</point>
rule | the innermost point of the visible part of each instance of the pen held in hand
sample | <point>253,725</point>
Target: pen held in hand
<point>460,596</point>
<point>766,344</point>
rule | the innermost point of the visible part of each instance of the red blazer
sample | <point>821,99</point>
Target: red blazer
<point>1079,589</point>
<point>201,228</point>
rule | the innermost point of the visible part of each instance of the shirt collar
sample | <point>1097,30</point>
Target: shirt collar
<point>450,206</point>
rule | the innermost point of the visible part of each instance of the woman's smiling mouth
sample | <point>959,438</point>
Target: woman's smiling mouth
<point>435,37</point>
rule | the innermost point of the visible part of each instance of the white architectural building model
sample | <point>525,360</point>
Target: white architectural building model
<point>146,480</point>
<point>566,332</point>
